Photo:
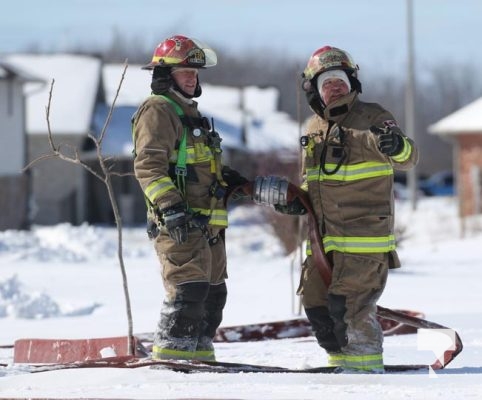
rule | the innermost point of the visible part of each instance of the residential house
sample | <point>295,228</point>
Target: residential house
<point>73,89</point>
<point>14,182</point>
<point>463,129</point>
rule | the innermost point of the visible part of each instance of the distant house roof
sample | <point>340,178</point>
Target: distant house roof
<point>76,84</point>
<point>135,86</point>
<point>8,71</point>
<point>468,119</point>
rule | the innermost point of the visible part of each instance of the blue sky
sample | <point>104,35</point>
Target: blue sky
<point>373,31</point>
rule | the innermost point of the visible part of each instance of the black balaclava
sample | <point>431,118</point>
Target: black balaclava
<point>162,81</point>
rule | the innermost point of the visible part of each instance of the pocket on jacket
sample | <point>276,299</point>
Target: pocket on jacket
<point>356,211</point>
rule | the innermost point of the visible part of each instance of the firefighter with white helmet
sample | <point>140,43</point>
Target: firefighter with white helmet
<point>178,165</point>
<point>351,149</point>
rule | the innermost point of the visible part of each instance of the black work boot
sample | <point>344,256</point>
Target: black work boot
<point>180,324</point>
<point>323,326</point>
<point>213,308</point>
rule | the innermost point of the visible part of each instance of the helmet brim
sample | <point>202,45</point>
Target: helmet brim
<point>150,66</point>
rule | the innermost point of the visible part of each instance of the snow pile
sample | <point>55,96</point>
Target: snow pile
<point>64,243</point>
<point>18,301</point>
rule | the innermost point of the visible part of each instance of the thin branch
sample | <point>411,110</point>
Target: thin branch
<point>47,112</point>
<point>106,179</point>
<point>56,152</point>
<point>109,116</point>
<point>122,173</point>
<point>78,161</point>
<point>41,158</point>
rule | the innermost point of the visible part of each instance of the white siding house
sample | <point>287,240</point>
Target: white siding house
<point>58,186</point>
<point>14,183</point>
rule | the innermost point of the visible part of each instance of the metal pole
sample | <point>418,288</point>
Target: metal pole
<point>410,102</point>
<point>244,116</point>
<point>301,221</point>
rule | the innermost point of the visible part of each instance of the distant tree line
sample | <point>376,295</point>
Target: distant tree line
<point>440,89</point>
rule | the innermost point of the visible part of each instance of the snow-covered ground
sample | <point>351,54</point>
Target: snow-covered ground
<point>65,282</point>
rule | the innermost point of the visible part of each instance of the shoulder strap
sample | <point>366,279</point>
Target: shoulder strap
<point>176,106</point>
<point>181,168</point>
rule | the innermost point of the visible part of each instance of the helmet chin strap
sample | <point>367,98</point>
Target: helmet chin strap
<point>355,83</point>
<point>313,97</point>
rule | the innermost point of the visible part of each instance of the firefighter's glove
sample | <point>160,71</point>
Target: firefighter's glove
<point>176,220</point>
<point>234,180</point>
<point>270,191</point>
<point>161,80</point>
<point>390,140</point>
<point>294,207</point>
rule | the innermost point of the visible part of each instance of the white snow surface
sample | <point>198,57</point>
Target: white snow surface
<point>65,282</point>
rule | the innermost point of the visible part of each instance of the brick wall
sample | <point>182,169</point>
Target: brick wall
<point>470,156</point>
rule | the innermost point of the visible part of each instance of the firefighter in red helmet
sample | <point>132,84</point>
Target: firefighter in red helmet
<point>178,165</point>
<point>176,53</point>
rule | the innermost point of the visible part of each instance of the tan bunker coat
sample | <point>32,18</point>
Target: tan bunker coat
<point>178,159</point>
<point>350,185</point>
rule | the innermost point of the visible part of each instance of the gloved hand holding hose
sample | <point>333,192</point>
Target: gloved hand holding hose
<point>273,191</point>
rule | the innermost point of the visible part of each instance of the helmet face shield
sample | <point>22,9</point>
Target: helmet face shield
<point>210,57</point>
<point>328,58</point>
<point>180,51</point>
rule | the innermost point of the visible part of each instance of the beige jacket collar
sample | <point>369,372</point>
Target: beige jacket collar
<point>338,110</point>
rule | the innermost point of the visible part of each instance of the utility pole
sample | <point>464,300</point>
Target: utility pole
<point>244,115</point>
<point>410,101</point>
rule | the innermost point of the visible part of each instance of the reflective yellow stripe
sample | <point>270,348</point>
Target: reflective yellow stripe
<point>157,188</point>
<point>201,153</point>
<point>167,60</point>
<point>165,354</point>
<point>348,173</point>
<point>161,353</point>
<point>309,252</point>
<point>406,152</point>
<point>358,244</point>
<point>304,186</point>
<point>205,355</point>
<point>366,362</point>
<point>218,217</point>
<point>335,360</point>
<point>312,174</point>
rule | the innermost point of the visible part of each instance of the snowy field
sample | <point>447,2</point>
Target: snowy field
<point>65,282</point>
